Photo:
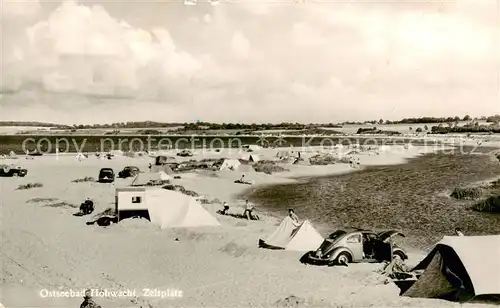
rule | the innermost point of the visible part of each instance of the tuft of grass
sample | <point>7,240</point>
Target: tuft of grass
<point>37,200</point>
<point>490,205</point>
<point>467,193</point>
<point>61,204</point>
<point>268,167</point>
<point>83,180</point>
<point>29,186</point>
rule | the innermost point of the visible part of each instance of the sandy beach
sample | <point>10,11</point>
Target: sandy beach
<point>45,248</point>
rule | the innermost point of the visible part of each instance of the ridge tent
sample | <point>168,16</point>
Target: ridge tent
<point>152,178</point>
<point>246,168</point>
<point>254,158</point>
<point>460,267</point>
<point>166,208</point>
<point>288,236</point>
<point>230,164</point>
<point>12,154</point>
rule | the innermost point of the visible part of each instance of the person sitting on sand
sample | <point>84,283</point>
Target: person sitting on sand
<point>293,216</point>
<point>88,302</point>
<point>87,207</point>
<point>458,232</point>
<point>248,210</point>
<point>226,209</point>
<point>357,163</point>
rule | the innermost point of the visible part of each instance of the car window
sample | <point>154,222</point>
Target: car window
<point>356,238</point>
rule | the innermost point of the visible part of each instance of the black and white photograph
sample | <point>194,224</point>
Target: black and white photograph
<point>249,153</point>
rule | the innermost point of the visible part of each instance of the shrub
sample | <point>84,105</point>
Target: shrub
<point>181,189</point>
<point>323,160</point>
<point>268,167</point>
<point>35,200</point>
<point>490,205</point>
<point>85,179</point>
<point>29,186</point>
<point>473,193</point>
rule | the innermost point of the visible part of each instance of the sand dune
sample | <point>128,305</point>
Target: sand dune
<point>45,247</point>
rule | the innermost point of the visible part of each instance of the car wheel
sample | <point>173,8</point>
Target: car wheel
<point>400,254</point>
<point>343,258</point>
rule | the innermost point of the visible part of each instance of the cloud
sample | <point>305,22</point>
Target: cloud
<point>240,45</point>
<point>252,61</point>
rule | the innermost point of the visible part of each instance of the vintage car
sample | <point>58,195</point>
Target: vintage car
<point>343,247</point>
<point>106,175</point>
<point>185,153</point>
<point>128,171</point>
<point>10,171</point>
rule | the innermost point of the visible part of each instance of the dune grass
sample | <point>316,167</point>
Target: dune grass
<point>467,193</point>
<point>408,197</point>
<point>61,204</point>
<point>29,186</point>
<point>268,167</point>
<point>37,200</point>
<point>490,205</point>
<point>84,180</point>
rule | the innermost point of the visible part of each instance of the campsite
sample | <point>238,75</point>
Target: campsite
<point>176,227</point>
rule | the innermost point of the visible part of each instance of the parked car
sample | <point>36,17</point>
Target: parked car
<point>343,247</point>
<point>185,153</point>
<point>10,171</point>
<point>128,171</point>
<point>106,175</point>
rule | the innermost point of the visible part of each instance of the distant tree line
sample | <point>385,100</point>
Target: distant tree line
<point>266,126</point>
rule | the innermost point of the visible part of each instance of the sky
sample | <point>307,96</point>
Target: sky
<point>252,61</point>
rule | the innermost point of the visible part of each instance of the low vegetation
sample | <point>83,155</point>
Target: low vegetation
<point>268,167</point>
<point>61,204</point>
<point>37,200</point>
<point>29,186</point>
<point>468,193</point>
<point>490,205</point>
<point>374,130</point>
<point>181,189</point>
<point>323,160</point>
<point>83,180</point>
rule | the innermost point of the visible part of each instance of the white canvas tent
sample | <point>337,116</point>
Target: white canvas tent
<point>460,265</point>
<point>289,236</point>
<point>150,178</point>
<point>166,208</point>
<point>230,164</point>
<point>12,154</point>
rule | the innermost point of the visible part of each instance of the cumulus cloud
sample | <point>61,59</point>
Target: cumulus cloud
<point>251,61</point>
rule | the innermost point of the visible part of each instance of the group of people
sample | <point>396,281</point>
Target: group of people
<point>250,215</point>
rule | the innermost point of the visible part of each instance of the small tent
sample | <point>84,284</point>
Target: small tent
<point>289,236</point>
<point>162,160</point>
<point>153,178</point>
<point>460,267</point>
<point>230,164</point>
<point>254,158</point>
<point>166,208</point>
<point>283,154</point>
<point>164,168</point>
<point>12,155</point>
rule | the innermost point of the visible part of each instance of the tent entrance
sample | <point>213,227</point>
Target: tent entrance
<point>124,214</point>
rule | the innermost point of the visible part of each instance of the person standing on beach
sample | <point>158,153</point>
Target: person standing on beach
<point>357,163</point>
<point>293,216</point>
<point>88,302</point>
<point>248,210</point>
